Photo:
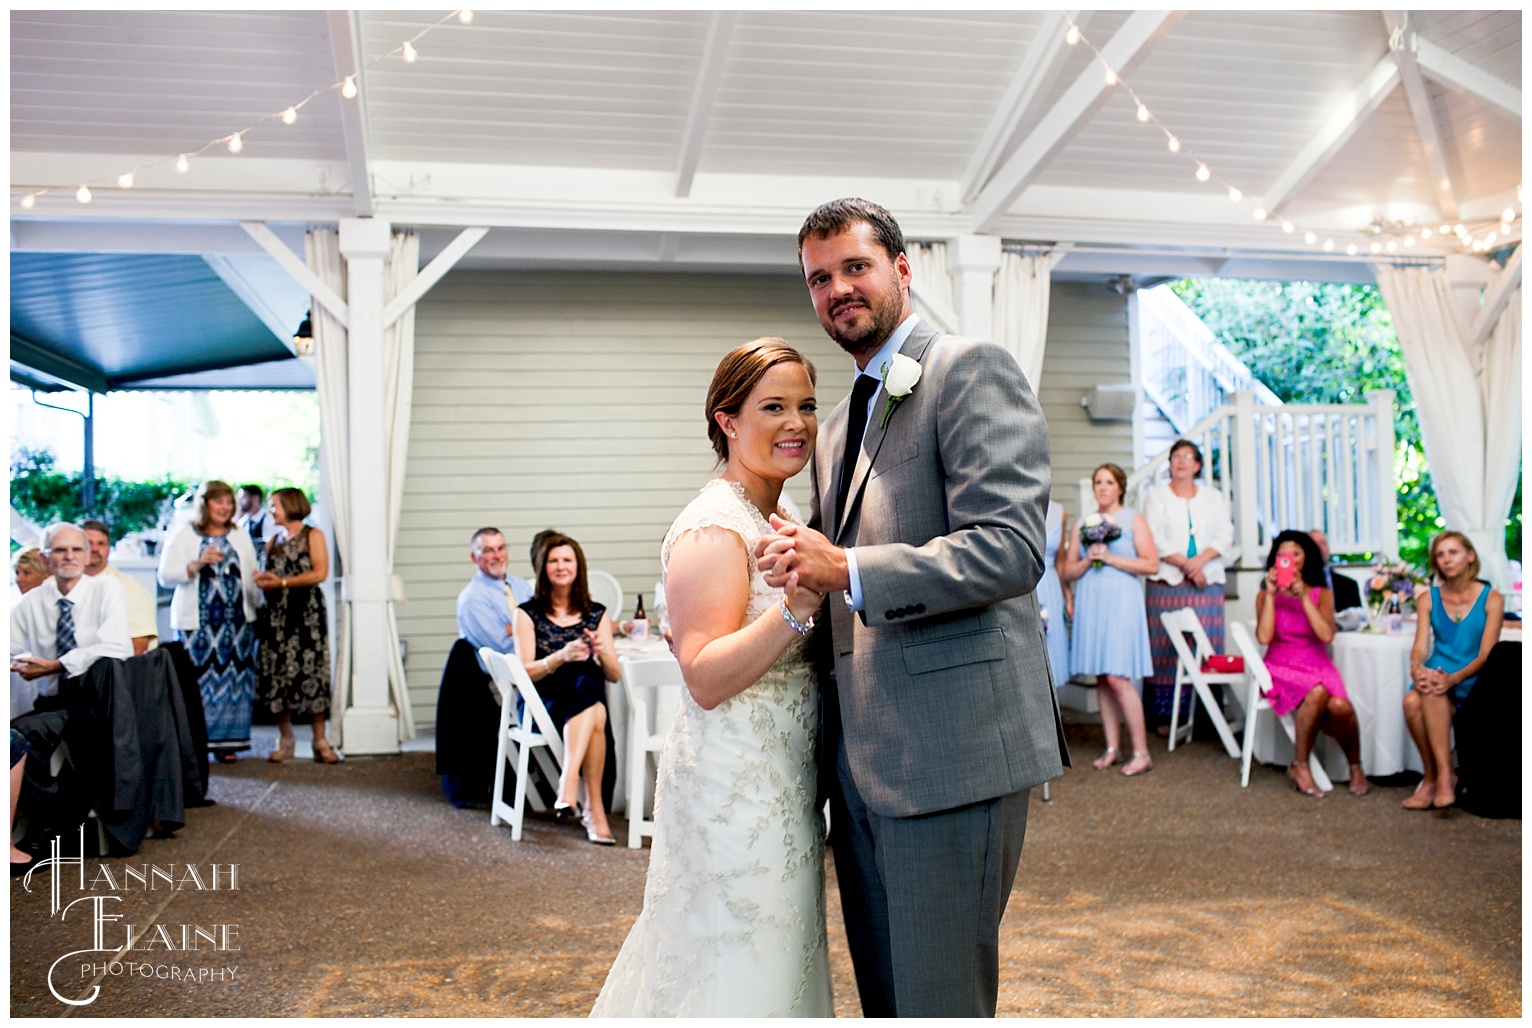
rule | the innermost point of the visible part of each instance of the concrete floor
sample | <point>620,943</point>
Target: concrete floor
<point>363,893</point>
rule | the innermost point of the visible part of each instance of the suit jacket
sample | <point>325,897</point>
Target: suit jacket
<point>945,695</point>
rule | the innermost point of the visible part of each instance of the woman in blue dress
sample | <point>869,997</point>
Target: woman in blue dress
<point>1110,637</point>
<point>1457,623</point>
<point>1050,597</point>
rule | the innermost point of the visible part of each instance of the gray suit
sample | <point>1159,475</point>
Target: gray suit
<point>942,713</point>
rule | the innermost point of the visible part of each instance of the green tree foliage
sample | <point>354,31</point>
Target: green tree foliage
<point>1318,342</point>
<point>45,495</point>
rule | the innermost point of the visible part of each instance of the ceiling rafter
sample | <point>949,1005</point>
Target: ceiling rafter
<point>1495,303</point>
<point>1402,41</point>
<point>346,44</point>
<point>1451,70</point>
<point>1039,69</point>
<point>1344,120</point>
<point>704,92</point>
<point>1082,99</point>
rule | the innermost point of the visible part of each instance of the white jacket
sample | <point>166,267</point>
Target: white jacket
<point>183,547</point>
<point>1167,516</point>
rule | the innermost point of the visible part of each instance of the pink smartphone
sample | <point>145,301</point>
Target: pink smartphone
<point>1285,572</point>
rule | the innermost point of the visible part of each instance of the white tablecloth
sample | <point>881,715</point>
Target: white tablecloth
<point>1376,670</point>
<point>617,712</point>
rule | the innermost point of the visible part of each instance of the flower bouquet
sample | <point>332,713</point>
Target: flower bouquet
<point>1098,528</point>
<point>1390,589</point>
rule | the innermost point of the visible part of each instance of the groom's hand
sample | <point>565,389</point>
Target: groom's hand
<point>820,564</point>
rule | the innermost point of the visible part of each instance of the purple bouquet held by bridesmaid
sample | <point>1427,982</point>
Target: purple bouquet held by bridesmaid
<point>1098,528</point>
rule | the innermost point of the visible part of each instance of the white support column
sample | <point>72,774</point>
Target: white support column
<point>972,262</point>
<point>1248,572</point>
<point>371,723</point>
<point>1467,275</point>
<point>1386,505</point>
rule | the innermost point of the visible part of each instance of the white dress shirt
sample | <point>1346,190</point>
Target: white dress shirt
<point>100,630</point>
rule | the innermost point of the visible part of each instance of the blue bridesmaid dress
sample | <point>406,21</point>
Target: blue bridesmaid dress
<point>1111,631</point>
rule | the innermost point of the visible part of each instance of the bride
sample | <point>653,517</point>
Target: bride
<point>734,919</point>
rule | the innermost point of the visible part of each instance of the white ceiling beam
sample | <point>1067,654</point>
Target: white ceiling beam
<point>1495,303</point>
<point>1451,70</point>
<point>1122,52</point>
<point>329,298</point>
<point>1402,41</point>
<point>715,50</point>
<point>1039,69</point>
<point>269,295</point>
<point>345,43</point>
<point>432,274</point>
<point>1344,120</point>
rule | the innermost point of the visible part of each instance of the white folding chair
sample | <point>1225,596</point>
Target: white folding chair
<point>607,591</point>
<point>1178,624</point>
<point>1259,677</point>
<point>520,738</point>
<point>653,686</point>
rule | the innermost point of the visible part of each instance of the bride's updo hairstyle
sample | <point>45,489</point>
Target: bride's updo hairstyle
<point>741,369</point>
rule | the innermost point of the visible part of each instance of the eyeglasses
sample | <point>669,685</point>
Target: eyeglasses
<point>1184,455</point>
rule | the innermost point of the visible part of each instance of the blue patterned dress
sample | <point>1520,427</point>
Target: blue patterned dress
<point>223,648</point>
<point>1111,631</point>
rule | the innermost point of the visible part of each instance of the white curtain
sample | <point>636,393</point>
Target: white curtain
<point>322,250</point>
<point>1021,308</point>
<point>399,383</point>
<point>931,286</point>
<point>1468,402</point>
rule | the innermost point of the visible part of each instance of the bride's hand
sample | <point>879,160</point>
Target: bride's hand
<point>801,602</point>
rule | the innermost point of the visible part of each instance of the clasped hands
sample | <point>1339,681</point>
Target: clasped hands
<point>803,563</point>
<point>1429,681</point>
<point>30,668</point>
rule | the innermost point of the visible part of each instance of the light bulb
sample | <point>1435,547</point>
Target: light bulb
<point>1310,238</point>
<point>348,88</point>
<point>1425,233</point>
<point>1329,245</point>
<point>1202,173</point>
<point>1392,246</point>
<point>1445,229</point>
<point>1459,229</point>
<point>465,17</point>
<point>409,52</point>
<point>1489,240</point>
<point>182,164</point>
<point>1143,113</point>
<point>1111,77</point>
<point>27,202</point>
<point>125,180</point>
<point>290,115</point>
<point>1409,241</point>
<point>1508,215</point>
<point>1235,195</point>
<point>1376,247</point>
<point>1173,144</point>
<point>83,194</point>
<point>1287,227</point>
<point>236,143</point>
<point>1073,35</point>
<point>1259,214</point>
<point>1351,249</point>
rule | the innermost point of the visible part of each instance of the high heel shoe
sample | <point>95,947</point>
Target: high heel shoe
<point>324,753</point>
<point>1312,790</point>
<point>593,835</point>
<point>564,811</point>
<point>284,750</point>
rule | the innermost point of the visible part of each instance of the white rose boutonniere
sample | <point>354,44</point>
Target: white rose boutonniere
<point>899,379</point>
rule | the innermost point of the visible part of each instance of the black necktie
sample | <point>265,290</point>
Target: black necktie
<point>856,427</point>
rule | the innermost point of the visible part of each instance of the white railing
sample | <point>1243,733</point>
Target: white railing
<point>1301,466</point>
<point>1187,372</point>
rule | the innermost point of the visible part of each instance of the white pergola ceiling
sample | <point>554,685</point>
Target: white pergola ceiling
<point>699,139</point>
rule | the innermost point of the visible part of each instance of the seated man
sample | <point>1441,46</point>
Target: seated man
<point>66,624</point>
<point>486,607</point>
<point>1347,592</point>
<point>142,622</point>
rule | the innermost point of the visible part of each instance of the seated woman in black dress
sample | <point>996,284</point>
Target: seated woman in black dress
<point>565,641</point>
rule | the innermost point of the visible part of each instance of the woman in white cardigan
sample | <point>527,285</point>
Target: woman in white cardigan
<point>1194,533</point>
<point>211,563</point>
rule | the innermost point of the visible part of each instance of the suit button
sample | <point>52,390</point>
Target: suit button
<point>889,615</point>
<point>920,608</point>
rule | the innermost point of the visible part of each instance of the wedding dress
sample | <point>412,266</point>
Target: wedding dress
<point>734,917</point>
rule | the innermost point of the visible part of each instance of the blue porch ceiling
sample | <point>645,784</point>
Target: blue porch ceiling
<point>104,321</point>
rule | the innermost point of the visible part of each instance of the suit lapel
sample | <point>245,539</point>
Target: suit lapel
<point>872,440</point>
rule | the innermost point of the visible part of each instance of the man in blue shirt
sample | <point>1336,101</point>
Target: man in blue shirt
<point>486,606</point>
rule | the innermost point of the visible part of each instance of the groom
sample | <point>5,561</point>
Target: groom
<point>930,485</point>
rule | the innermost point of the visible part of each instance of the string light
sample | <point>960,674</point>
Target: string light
<point>236,142</point>
<point>1376,247</point>
<point>1259,214</point>
<point>1287,227</point>
<point>182,164</point>
<point>1172,144</point>
<point>1111,77</point>
<point>28,202</point>
<point>1409,241</point>
<point>1235,195</point>
<point>465,17</point>
<point>1143,113</point>
<point>348,88</point>
<point>1425,233</point>
<point>1073,35</point>
<point>1203,174</point>
<point>1351,249</point>
<point>1310,237</point>
<point>83,194</point>
<point>290,115</point>
<point>125,180</point>
<point>1392,246</point>
<point>1329,245</point>
<point>409,52</point>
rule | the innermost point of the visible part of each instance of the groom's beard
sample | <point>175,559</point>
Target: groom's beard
<point>872,329</point>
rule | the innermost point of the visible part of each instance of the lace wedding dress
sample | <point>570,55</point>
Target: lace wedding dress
<point>734,918</point>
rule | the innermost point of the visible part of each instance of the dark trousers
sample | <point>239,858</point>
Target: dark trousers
<point>923,897</point>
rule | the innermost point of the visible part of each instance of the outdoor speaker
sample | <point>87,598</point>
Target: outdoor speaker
<point>1111,401</point>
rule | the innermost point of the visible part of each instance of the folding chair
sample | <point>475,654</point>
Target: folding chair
<point>653,686</point>
<point>607,591</point>
<point>1255,700</point>
<point>1178,624</point>
<point>519,739</point>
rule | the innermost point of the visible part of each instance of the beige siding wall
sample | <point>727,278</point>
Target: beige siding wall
<point>574,401</point>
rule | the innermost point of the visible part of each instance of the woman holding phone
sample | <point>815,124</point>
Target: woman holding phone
<point>1295,621</point>
<point>565,640</point>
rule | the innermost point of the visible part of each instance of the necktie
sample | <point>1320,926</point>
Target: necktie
<point>856,427</point>
<point>64,637</point>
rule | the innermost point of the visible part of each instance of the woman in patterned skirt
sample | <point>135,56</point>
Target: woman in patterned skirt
<point>294,676</point>
<point>211,564</point>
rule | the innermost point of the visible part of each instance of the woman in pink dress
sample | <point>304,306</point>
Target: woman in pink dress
<point>1295,621</point>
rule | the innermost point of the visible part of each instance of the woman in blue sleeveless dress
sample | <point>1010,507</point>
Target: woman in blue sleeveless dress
<point>1110,637</point>
<point>1050,597</point>
<point>1457,624</point>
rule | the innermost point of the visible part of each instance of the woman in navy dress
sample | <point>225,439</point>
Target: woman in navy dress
<point>564,639</point>
<point>1110,637</point>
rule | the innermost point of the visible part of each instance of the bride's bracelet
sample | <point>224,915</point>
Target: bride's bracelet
<point>801,627</point>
